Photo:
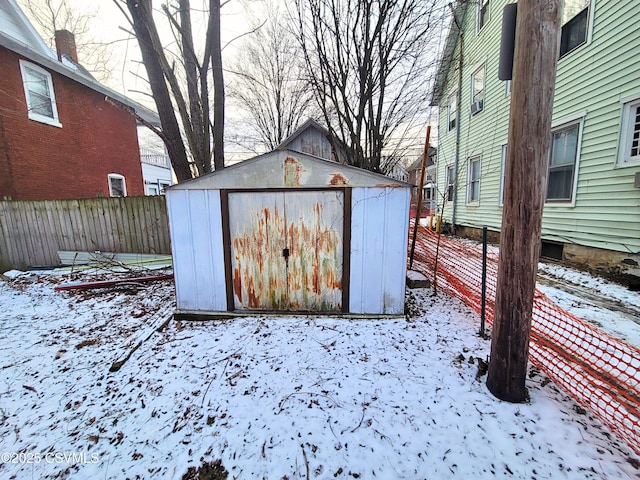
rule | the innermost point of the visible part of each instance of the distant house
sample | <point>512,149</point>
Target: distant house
<point>429,194</point>
<point>156,171</point>
<point>63,135</point>
<point>313,139</point>
<point>592,210</point>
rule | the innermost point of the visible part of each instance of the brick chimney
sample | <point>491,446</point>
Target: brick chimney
<point>66,45</point>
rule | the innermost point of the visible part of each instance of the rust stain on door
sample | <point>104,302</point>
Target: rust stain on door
<point>287,254</point>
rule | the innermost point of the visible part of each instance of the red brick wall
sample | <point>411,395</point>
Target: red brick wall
<point>44,162</point>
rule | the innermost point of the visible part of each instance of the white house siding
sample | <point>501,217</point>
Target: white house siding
<point>14,27</point>
<point>198,249</point>
<point>379,223</point>
<point>592,80</point>
<point>156,176</point>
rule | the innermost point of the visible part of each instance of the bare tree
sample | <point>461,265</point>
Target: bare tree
<point>180,79</point>
<point>268,81</point>
<point>368,62</point>
<point>51,15</point>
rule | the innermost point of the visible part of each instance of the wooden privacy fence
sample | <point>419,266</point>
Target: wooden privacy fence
<point>32,232</point>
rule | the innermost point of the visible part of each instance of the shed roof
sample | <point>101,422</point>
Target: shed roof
<point>288,169</point>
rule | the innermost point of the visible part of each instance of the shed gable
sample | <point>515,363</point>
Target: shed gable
<point>288,169</point>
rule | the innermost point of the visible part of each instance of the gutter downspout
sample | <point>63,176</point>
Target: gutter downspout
<point>457,151</point>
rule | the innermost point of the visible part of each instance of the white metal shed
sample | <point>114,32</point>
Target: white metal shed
<point>289,232</point>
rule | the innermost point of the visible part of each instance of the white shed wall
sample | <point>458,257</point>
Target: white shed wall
<point>379,226</point>
<point>198,250</point>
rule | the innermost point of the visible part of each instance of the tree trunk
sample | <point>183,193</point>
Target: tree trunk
<point>141,14</point>
<point>218,89</point>
<point>534,70</point>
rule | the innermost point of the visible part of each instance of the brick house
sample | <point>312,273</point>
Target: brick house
<point>63,135</point>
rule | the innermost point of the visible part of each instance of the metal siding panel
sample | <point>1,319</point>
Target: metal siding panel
<point>395,249</point>
<point>201,249</point>
<point>374,266</point>
<point>369,286</point>
<point>357,261</point>
<point>185,273</point>
<point>379,226</point>
<point>217,265</point>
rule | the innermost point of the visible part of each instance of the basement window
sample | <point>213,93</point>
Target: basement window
<point>552,250</point>
<point>39,94</point>
<point>117,185</point>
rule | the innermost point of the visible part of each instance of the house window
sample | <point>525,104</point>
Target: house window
<point>152,189</point>
<point>477,91</point>
<point>473,179</point>
<point>503,173</point>
<point>163,186</point>
<point>482,14</point>
<point>452,110</point>
<point>629,151</point>
<point>575,18</point>
<point>117,185</point>
<point>38,91</point>
<point>451,184</point>
<point>562,163</point>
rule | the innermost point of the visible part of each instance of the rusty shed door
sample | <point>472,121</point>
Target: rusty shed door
<point>287,250</point>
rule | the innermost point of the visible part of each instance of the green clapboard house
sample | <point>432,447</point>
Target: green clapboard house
<point>592,210</point>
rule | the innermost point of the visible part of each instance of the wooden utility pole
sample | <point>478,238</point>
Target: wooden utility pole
<point>534,72</point>
<point>425,156</point>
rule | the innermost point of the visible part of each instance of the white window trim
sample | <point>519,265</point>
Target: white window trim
<point>484,88</point>
<point>162,184</point>
<point>119,177</point>
<point>479,5</point>
<point>558,125</point>
<point>470,160</point>
<point>454,94</point>
<point>448,168</point>
<point>624,140</point>
<point>503,173</point>
<point>53,121</point>
<point>590,17</point>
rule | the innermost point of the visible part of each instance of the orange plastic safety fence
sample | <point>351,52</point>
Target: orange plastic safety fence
<point>600,372</point>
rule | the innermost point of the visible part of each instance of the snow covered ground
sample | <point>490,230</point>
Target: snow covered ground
<point>588,298</point>
<point>274,398</point>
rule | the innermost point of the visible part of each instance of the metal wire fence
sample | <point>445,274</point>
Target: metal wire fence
<point>600,372</point>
